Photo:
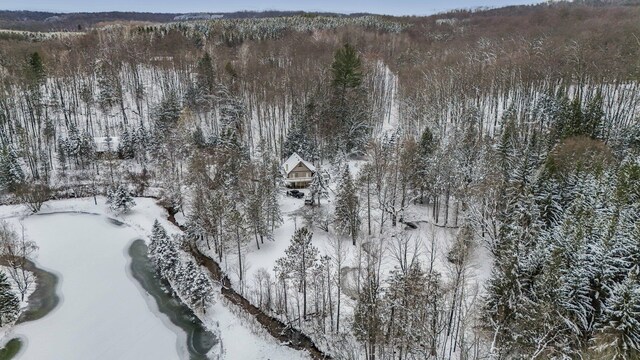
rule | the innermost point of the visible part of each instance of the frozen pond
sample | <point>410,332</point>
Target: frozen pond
<point>103,313</point>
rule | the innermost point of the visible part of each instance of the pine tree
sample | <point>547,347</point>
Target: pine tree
<point>347,211</point>
<point>167,114</point>
<point>199,286</point>
<point>185,276</point>
<point>126,146</point>
<point>205,77</point>
<point>299,137</point>
<point>256,207</point>
<point>11,174</point>
<point>109,89</point>
<point>319,188</point>
<point>9,303</point>
<point>62,154</point>
<point>272,206</point>
<point>619,337</point>
<point>86,150</point>
<point>300,258</point>
<point>163,252</point>
<point>232,114</point>
<point>120,200</point>
<point>36,70</point>
<point>348,112</point>
<point>297,141</point>
<point>346,68</point>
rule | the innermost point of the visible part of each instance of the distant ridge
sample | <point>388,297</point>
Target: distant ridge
<point>51,21</point>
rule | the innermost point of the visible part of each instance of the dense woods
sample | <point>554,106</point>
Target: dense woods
<point>513,133</point>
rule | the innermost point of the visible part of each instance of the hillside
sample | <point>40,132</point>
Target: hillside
<point>469,181</point>
<point>49,21</point>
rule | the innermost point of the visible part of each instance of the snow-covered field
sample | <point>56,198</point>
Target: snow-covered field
<point>103,313</point>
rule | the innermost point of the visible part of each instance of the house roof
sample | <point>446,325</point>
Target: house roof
<point>293,161</point>
<point>106,143</point>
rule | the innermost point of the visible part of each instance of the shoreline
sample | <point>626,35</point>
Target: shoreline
<point>41,302</point>
<point>199,340</point>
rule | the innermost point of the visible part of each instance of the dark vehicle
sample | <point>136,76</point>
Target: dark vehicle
<point>295,193</point>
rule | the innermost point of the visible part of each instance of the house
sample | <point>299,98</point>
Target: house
<point>297,172</point>
<point>106,145</point>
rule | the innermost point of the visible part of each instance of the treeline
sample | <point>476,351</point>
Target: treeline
<point>82,21</point>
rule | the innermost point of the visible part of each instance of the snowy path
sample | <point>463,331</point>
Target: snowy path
<point>102,314</point>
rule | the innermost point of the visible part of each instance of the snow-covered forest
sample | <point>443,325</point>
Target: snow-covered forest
<point>475,191</point>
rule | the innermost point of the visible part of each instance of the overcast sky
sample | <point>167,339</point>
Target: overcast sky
<point>392,7</point>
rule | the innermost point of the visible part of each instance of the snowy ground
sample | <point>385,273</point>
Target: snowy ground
<point>103,313</point>
<point>243,338</point>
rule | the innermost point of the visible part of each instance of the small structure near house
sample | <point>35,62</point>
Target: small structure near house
<point>106,145</point>
<point>297,172</point>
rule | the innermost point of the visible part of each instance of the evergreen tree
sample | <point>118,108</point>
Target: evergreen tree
<point>272,206</point>
<point>298,141</point>
<point>120,200</point>
<point>319,188</point>
<point>256,207</point>
<point>126,146</point>
<point>346,68</point>
<point>109,88</point>
<point>185,276</point>
<point>197,137</point>
<point>195,286</point>
<point>348,112</point>
<point>162,251</point>
<point>573,118</point>
<point>619,336</point>
<point>62,154</point>
<point>232,113</point>
<point>167,114</point>
<point>36,71</point>
<point>205,76</point>
<point>9,303</point>
<point>300,258</point>
<point>11,174</point>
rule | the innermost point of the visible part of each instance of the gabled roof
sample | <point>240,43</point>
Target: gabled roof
<point>293,161</point>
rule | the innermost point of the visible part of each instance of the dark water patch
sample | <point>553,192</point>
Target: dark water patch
<point>115,222</point>
<point>199,340</point>
<point>11,349</point>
